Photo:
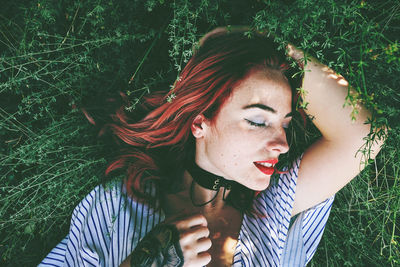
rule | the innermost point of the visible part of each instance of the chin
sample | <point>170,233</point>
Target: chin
<point>259,186</point>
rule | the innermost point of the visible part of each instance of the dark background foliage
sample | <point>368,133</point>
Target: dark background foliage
<point>57,57</point>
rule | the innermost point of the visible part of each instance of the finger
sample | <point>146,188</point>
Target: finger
<point>204,244</point>
<point>192,235</point>
<point>190,222</point>
<point>294,52</point>
<point>203,258</point>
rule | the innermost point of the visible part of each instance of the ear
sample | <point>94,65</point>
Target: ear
<point>199,126</point>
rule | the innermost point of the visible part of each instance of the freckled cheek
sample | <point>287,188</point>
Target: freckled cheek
<point>238,147</point>
<point>236,156</point>
<point>233,147</point>
<point>228,154</point>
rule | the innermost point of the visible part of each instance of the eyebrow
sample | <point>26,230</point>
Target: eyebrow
<point>266,108</point>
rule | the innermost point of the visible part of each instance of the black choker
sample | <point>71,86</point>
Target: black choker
<point>207,180</point>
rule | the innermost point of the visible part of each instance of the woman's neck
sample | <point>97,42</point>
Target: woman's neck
<point>199,194</point>
<point>181,202</point>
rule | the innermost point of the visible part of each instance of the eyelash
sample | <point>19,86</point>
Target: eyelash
<point>252,123</point>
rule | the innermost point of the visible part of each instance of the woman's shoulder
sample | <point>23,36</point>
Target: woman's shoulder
<point>105,219</point>
<point>112,198</point>
<point>98,209</point>
<point>102,195</point>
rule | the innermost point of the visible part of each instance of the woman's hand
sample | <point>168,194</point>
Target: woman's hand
<point>182,242</point>
<point>295,53</point>
<point>194,240</point>
<point>314,70</point>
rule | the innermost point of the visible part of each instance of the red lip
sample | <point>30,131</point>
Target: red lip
<point>272,161</point>
<point>266,170</point>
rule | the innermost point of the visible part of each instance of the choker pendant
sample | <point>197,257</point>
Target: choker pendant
<point>207,180</point>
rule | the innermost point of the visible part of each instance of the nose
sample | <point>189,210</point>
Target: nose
<point>278,143</point>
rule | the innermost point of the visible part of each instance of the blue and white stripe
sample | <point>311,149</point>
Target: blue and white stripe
<point>107,225</point>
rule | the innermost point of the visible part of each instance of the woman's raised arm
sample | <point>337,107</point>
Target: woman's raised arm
<point>332,161</point>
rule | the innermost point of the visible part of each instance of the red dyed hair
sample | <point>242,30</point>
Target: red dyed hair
<point>161,143</point>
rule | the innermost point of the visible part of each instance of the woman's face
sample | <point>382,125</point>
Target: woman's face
<point>249,128</point>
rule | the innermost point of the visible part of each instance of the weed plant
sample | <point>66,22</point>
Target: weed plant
<point>64,66</point>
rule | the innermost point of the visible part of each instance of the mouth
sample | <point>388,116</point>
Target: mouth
<point>266,167</point>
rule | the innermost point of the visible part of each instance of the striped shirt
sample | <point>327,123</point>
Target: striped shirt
<point>107,225</point>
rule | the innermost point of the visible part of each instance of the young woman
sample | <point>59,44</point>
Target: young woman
<point>199,162</point>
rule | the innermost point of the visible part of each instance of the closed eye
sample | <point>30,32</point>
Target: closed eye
<point>252,123</point>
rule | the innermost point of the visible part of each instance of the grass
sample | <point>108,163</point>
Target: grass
<point>59,56</point>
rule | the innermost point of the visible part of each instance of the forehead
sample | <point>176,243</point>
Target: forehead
<point>265,87</point>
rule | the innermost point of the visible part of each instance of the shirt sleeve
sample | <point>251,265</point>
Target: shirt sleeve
<point>305,234</point>
<point>269,239</point>
<point>302,234</point>
<point>305,231</point>
<point>105,228</point>
<point>263,234</point>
